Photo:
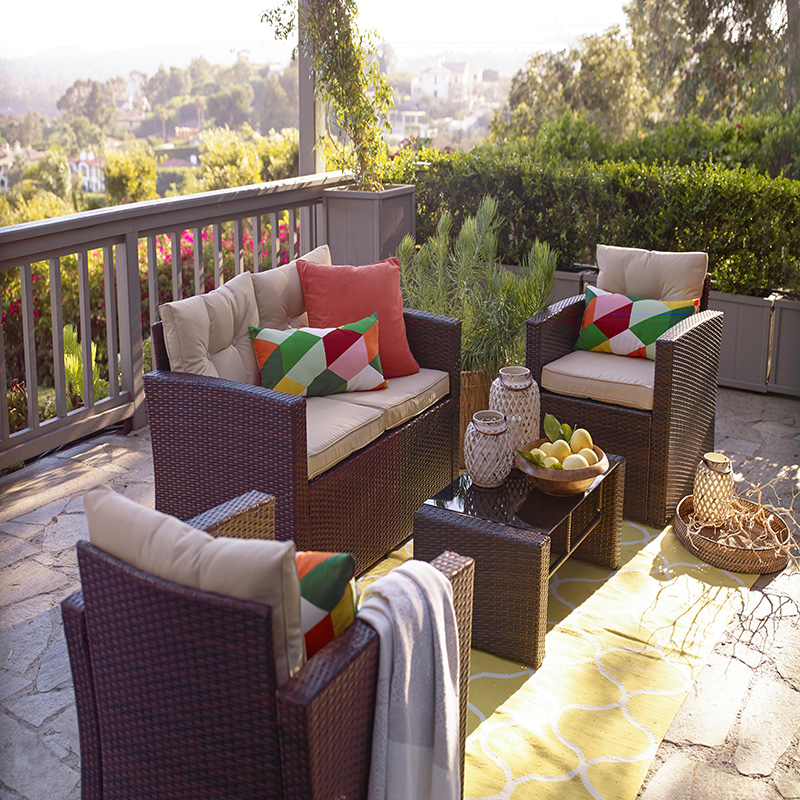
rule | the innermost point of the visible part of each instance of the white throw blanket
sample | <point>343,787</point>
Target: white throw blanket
<point>415,744</point>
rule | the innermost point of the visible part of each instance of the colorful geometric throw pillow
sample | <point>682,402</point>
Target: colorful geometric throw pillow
<point>311,362</point>
<point>626,325</point>
<point>327,596</point>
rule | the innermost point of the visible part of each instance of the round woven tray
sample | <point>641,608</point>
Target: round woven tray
<point>705,543</point>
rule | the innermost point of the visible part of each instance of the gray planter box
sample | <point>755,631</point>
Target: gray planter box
<point>784,374</point>
<point>568,284</point>
<point>744,355</point>
<point>364,227</point>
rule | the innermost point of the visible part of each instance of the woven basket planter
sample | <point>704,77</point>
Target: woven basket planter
<point>474,397</point>
<point>705,543</point>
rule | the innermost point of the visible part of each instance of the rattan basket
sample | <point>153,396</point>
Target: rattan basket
<point>705,543</point>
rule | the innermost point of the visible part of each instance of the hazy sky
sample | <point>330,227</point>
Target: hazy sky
<point>99,26</point>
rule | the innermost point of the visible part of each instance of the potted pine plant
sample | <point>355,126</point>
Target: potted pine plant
<point>462,277</point>
<point>367,222</point>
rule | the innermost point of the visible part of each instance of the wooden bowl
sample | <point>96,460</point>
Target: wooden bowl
<point>561,481</point>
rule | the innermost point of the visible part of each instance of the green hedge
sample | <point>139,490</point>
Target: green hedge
<point>745,221</point>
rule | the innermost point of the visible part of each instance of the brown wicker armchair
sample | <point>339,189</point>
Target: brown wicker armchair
<point>176,688</point>
<point>214,439</point>
<point>662,444</point>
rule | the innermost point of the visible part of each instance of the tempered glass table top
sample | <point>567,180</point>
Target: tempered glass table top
<point>516,502</point>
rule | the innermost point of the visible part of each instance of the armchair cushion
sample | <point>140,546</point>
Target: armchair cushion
<point>627,325</point>
<point>335,429</point>
<point>405,397</point>
<point>259,570</point>
<point>327,596</point>
<point>279,295</point>
<point>208,334</point>
<point>313,362</point>
<point>651,273</point>
<point>336,295</point>
<point>602,376</point>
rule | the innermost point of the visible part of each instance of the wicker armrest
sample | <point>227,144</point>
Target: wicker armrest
<point>326,711</point>
<point>434,340</point>
<point>552,333</point>
<point>72,613</point>
<point>248,516</point>
<point>214,439</point>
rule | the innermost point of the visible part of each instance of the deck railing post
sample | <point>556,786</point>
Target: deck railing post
<point>129,299</point>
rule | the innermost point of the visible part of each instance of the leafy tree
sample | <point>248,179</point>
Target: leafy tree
<point>231,108</point>
<point>227,158</point>
<point>130,175</point>
<point>52,174</point>
<point>280,154</point>
<point>93,100</point>
<point>598,78</point>
<point>273,108</point>
<point>717,57</point>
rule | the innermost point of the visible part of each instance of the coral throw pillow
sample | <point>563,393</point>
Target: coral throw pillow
<point>335,295</point>
<point>626,325</point>
<point>327,596</point>
<point>311,362</point>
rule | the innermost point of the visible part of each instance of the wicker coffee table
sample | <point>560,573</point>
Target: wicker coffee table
<point>519,537</point>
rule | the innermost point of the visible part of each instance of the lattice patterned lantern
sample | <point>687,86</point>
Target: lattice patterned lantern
<point>713,488</point>
<point>515,393</point>
<point>488,454</point>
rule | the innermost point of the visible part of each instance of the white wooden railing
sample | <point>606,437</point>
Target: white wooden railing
<point>117,237</point>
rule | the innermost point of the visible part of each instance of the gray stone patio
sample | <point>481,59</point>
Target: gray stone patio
<point>736,736</point>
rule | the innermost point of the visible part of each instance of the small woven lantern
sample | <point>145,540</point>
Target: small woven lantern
<point>488,454</point>
<point>515,393</point>
<point>713,488</point>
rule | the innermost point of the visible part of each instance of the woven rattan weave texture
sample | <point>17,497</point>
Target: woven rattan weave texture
<point>662,446</point>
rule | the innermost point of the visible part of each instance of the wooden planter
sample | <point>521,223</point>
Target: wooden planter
<point>784,373</point>
<point>744,353</point>
<point>474,397</point>
<point>365,227</point>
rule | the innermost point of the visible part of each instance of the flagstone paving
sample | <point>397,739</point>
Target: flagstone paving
<point>736,736</point>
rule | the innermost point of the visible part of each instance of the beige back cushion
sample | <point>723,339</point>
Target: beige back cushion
<point>247,569</point>
<point>279,296</point>
<point>208,334</point>
<point>650,273</point>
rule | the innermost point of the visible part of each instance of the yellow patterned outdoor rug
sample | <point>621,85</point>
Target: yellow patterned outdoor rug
<point>621,653</point>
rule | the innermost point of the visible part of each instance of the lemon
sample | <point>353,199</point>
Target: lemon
<point>575,461</point>
<point>545,448</point>
<point>560,449</point>
<point>538,451</point>
<point>580,439</point>
<point>550,460</point>
<point>589,455</point>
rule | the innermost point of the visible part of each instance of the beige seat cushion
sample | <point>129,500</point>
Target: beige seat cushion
<point>602,376</point>
<point>208,334</point>
<point>404,397</point>
<point>279,295</point>
<point>650,273</point>
<point>248,569</point>
<point>335,429</point>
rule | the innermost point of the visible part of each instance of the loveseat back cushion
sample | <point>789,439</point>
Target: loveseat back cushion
<point>259,570</point>
<point>604,377</point>
<point>279,295</point>
<point>209,334</point>
<point>651,273</point>
<point>335,429</point>
<point>404,397</point>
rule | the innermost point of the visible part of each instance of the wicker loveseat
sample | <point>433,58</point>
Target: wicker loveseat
<point>348,470</point>
<point>178,694</point>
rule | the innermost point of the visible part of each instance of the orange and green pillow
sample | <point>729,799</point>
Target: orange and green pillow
<point>320,361</point>
<point>327,596</point>
<point>628,326</point>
